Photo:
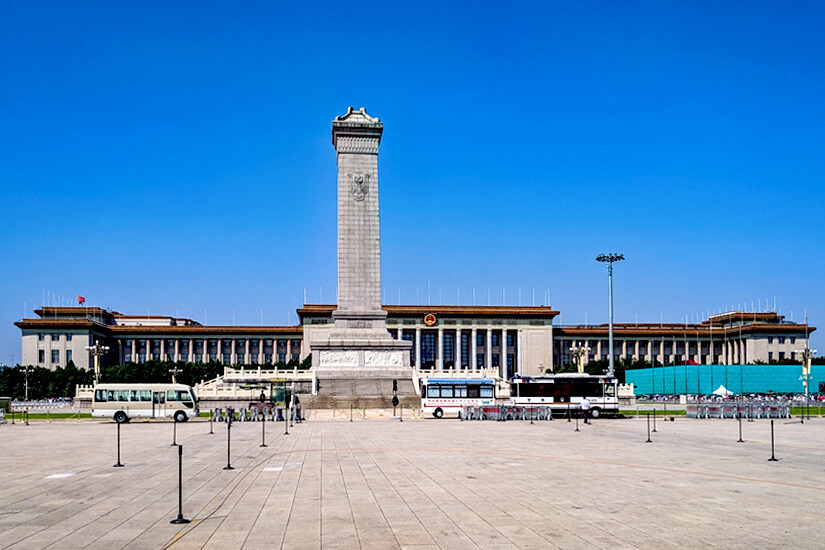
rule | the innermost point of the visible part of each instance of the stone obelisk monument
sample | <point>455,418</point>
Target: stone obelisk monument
<point>359,360</point>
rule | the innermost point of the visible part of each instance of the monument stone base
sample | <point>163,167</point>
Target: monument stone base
<point>359,372</point>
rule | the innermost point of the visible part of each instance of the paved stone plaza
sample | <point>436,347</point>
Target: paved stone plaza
<point>379,483</point>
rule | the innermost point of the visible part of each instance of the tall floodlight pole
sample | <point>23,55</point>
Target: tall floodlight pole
<point>97,351</point>
<point>609,259</point>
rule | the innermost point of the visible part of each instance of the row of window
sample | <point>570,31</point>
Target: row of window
<point>226,358</point>
<point>41,356</point>
<point>781,340</point>
<point>449,338</point>
<point>142,395</point>
<point>55,336</point>
<point>452,390</point>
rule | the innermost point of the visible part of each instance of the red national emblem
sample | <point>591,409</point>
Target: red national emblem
<point>429,319</point>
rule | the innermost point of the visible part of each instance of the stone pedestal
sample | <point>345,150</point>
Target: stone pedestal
<point>359,360</point>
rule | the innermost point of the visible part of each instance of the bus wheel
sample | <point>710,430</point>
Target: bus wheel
<point>438,413</point>
<point>120,417</point>
<point>180,416</point>
<point>594,413</point>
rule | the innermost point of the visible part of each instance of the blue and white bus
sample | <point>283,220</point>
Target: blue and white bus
<point>451,395</point>
<point>566,390</point>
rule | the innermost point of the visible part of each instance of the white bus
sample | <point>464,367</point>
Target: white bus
<point>566,390</point>
<point>451,395</point>
<point>126,401</point>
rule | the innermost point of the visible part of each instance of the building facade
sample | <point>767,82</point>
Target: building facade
<point>512,340</point>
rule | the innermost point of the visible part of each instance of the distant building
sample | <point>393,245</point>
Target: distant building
<point>514,340</point>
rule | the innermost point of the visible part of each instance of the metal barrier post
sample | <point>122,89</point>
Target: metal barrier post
<point>648,428</point>
<point>118,465</point>
<point>180,518</point>
<point>401,416</point>
<point>654,419</point>
<point>286,422</point>
<point>263,431</point>
<point>174,433</point>
<point>773,456</point>
<point>577,423</point>
<point>740,429</point>
<point>228,443</point>
<point>211,417</point>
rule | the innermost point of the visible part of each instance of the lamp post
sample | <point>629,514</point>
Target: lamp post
<point>174,371</point>
<point>97,351</point>
<point>26,371</point>
<point>806,353</point>
<point>579,353</point>
<point>609,259</point>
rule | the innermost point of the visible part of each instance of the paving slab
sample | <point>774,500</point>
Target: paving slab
<point>377,482</point>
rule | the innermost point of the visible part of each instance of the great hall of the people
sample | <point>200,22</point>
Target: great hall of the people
<point>511,340</point>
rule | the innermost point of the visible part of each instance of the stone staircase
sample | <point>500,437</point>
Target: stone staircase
<point>361,393</point>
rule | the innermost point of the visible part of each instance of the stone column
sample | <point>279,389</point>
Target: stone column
<point>518,366</point>
<point>457,351</point>
<point>177,349</point>
<point>598,350</point>
<point>133,351</point>
<point>418,362</point>
<point>474,349</point>
<point>233,358</point>
<point>219,350</point>
<point>246,358</point>
<point>192,351</point>
<point>288,349</point>
<point>502,360</point>
<point>488,349</point>
<point>439,354</point>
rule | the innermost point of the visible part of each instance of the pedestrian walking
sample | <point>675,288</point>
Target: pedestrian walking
<point>585,407</point>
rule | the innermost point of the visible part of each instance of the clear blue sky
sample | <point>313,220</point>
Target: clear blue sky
<point>175,158</point>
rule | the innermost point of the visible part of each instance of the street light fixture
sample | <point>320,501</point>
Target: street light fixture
<point>579,353</point>
<point>609,259</point>
<point>26,371</point>
<point>97,351</point>
<point>806,354</point>
<point>174,371</point>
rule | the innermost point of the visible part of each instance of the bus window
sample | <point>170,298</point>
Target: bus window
<point>461,391</point>
<point>432,391</point>
<point>486,391</point>
<point>100,396</point>
<point>121,395</point>
<point>446,391</point>
<point>472,391</point>
<point>145,395</point>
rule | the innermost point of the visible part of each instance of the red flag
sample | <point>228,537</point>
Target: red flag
<point>81,299</point>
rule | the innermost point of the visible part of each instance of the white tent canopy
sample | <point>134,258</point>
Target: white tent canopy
<point>722,390</point>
